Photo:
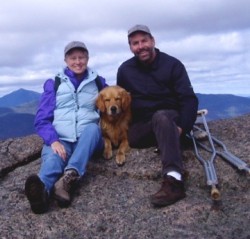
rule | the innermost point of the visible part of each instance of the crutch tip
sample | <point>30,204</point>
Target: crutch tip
<point>215,193</point>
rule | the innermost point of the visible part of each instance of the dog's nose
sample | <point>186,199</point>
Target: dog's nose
<point>113,110</point>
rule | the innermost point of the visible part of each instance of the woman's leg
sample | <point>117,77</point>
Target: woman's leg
<point>89,142</point>
<point>52,166</point>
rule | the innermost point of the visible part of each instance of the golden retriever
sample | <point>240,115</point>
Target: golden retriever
<point>114,105</point>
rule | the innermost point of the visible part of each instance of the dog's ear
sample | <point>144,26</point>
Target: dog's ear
<point>126,99</point>
<point>100,103</point>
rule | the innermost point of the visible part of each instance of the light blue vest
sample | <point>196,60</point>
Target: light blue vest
<point>75,109</point>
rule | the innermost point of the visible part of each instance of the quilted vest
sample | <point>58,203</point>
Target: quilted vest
<point>75,108</point>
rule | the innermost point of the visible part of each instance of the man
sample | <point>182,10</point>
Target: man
<point>164,108</point>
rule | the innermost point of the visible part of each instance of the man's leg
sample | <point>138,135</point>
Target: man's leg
<point>168,139</point>
<point>141,135</point>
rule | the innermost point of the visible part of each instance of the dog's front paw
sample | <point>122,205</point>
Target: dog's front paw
<point>120,159</point>
<point>107,154</point>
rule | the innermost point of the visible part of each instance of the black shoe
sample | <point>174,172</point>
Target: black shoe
<point>171,191</point>
<point>37,195</point>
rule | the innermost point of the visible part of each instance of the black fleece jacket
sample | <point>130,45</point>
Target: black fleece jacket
<point>164,84</point>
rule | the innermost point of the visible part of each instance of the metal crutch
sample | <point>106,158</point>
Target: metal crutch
<point>208,165</point>
<point>225,154</point>
<point>241,165</point>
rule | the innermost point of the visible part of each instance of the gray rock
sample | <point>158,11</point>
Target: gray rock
<point>15,152</point>
<point>112,202</point>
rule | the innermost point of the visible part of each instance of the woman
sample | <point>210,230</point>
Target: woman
<point>67,121</point>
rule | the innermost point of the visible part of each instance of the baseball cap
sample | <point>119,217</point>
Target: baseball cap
<point>74,44</point>
<point>139,28</point>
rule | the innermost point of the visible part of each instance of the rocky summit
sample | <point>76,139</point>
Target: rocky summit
<point>113,202</point>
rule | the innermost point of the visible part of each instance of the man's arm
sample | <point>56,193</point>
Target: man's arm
<point>188,101</point>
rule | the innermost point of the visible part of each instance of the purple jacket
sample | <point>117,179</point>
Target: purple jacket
<point>45,113</point>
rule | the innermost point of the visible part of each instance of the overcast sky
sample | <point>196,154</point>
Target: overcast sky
<point>211,38</point>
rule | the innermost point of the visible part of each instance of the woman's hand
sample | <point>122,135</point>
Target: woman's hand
<point>59,149</point>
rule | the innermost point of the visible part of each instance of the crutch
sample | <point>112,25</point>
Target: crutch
<point>225,154</point>
<point>208,164</point>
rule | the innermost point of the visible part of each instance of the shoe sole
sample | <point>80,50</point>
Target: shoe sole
<point>165,203</point>
<point>35,192</point>
<point>61,201</point>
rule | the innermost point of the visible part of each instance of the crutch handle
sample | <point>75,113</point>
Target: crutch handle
<point>202,112</point>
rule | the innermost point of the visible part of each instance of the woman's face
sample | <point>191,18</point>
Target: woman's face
<point>77,61</point>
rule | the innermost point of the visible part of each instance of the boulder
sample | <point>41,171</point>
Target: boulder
<point>113,202</point>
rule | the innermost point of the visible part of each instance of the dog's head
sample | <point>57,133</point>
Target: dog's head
<point>113,100</point>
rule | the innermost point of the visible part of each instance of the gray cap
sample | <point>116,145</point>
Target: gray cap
<point>75,44</point>
<point>139,28</point>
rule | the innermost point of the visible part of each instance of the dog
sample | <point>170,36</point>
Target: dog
<point>114,105</point>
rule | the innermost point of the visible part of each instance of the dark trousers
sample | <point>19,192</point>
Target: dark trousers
<point>160,131</point>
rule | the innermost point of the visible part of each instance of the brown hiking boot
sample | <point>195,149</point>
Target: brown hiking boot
<point>171,191</point>
<point>37,195</point>
<point>63,187</point>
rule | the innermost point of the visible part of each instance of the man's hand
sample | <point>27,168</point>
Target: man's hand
<point>180,130</point>
<point>59,149</point>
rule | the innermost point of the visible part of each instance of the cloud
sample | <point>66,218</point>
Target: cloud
<point>209,36</point>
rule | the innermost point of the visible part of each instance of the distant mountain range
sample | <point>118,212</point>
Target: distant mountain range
<point>222,106</point>
<point>17,110</point>
<point>18,98</point>
<point>17,113</point>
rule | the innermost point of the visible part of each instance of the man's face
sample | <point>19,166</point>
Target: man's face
<point>143,46</point>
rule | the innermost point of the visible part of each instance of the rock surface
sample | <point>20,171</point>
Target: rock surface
<point>112,202</point>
